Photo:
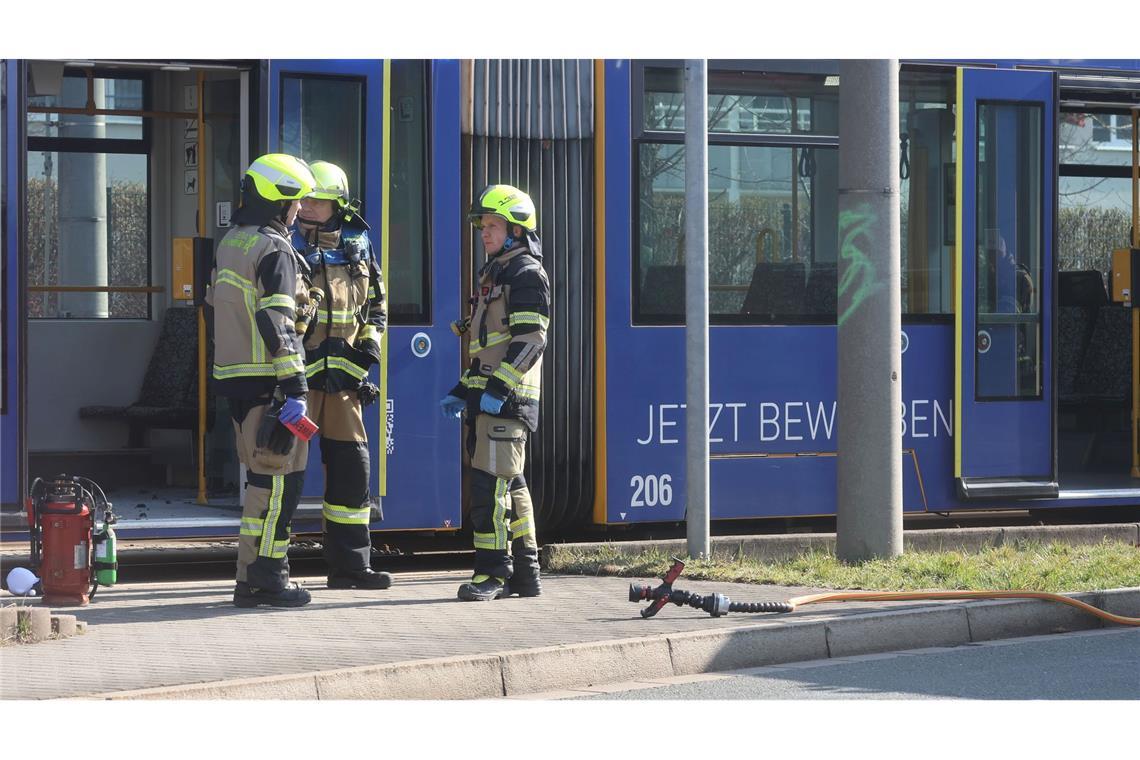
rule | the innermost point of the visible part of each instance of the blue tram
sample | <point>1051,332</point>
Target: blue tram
<point>1019,367</point>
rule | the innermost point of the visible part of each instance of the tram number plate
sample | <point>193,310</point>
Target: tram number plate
<point>651,490</point>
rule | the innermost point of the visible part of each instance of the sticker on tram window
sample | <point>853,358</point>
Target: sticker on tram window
<point>651,490</point>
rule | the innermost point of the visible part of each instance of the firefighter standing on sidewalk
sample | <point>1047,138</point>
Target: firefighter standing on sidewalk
<point>341,343</point>
<point>500,392</point>
<point>251,303</point>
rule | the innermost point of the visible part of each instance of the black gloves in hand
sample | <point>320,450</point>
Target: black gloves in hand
<point>367,393</point>
<point>272,435</point>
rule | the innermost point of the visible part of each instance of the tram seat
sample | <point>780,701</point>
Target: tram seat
<point>169,395</point>
<point>1105,374</point>
<point>1080,298</point>
<point>1074,329</point>
<point>823,290</point>
<point>1081,289</point>
<point>776,289</point>
<point>664,291</point>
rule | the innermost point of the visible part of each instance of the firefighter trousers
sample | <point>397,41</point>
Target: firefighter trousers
<point>344,454</point>
<point>272,492</point>
<point>502,513</point>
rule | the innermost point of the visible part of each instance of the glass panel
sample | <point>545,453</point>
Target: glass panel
<point>322,119</point>
<point>124,94</point>
<point>222,112</point>
<point>1095,138</point>
<point>408,216</point>
<point>1095,216</point>
<point>927,213</point>
<point>772,233</point>
<point>87,224</point>
<point>746,102</point>
<point>1009,251</point>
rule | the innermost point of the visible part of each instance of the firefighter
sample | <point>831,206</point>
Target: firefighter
<point>251,301</point>
<point>500,392</point>
<point>342,342</point>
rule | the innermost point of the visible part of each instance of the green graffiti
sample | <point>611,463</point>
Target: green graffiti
<point>860,275</point>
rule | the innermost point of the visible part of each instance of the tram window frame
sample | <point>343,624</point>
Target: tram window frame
<point>422,314</point>
<point>5,322</point>
<point>726,73</point>
<point>142,145</point>
<point>1084,170</point>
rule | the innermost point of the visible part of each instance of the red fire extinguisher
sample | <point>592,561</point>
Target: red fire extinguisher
<point>62,512</point>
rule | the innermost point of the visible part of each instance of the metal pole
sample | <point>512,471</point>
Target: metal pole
<point>869,516</point>
<point>696,309</point>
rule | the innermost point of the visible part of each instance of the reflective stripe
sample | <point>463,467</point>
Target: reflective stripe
<point>369,332</point>
<point>286,366</point>
<point>243,370</point>
<point>522,527</point>
<point>508,374</point>
<point>371,292</point>
<point>499,517</point>
<point>249,295</point>
<point>252,526</point>
<point>277,300</point>
<point>493,339</point>
<point>529,318</point>
<point>523,390</point>
<point>336,317</point>
<point>345,515</point>
<point>280,549</point>
<point>474,381</point>
<point>267,546</point>
<point>485,541</point>
<point>336,362</point>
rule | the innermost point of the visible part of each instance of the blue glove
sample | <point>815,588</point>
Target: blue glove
<point>451,406</point>
<point>490,403</point>
<point>292,410</point>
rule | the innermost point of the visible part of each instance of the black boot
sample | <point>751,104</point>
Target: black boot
<point>366,578</point>
<point>520,586</point>
<point>293,595</point>
<point>482,588</point>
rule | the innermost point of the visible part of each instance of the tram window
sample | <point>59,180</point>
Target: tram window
<point>87,224</point>
<point>88,200</point>
<point>772,234</point>
<point>322,119</point>
<point>1095,189</point>
<point>926,190</point>
<point>753,102</point>
<point>409,242</point>
<point>1008,250</point>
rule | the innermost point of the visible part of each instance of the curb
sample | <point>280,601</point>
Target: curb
<point>38,623</point>
<point>546,669</point>
<point>784,547</point>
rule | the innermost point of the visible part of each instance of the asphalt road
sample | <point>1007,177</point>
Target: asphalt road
<point>1091,665</point>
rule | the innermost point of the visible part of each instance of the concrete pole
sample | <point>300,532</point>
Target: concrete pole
<point>82,207</point>
<point>696,309</point>
<point>869,519</point>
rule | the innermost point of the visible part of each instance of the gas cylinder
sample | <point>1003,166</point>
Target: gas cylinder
<point>106,563</point>
<point>66,521</point>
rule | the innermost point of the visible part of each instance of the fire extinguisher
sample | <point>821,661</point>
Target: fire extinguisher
<point>63,535</point>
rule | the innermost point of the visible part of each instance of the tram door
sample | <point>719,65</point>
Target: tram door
<point>1004,425</point>
<point>372,118</point>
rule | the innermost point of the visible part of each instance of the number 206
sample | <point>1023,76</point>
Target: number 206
<point>651,490</point>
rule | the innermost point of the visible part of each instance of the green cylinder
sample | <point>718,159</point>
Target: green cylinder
<point>106,558</point>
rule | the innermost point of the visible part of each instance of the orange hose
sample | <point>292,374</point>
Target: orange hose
<point>895,596</point>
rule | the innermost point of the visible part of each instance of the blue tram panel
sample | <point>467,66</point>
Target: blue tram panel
<point>772,392</point>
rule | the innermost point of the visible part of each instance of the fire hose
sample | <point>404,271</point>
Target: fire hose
<point>718,605</point>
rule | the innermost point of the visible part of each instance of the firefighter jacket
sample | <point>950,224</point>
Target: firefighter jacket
<point>507,334</point>
<point>347,313</point>
<point>254,290</point>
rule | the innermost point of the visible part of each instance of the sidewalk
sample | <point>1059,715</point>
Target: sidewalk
<point>415,640</point>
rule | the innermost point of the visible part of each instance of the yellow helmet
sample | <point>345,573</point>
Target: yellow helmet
<point>332,183</point>
<point>506,201</point>
<point>280,177</point>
